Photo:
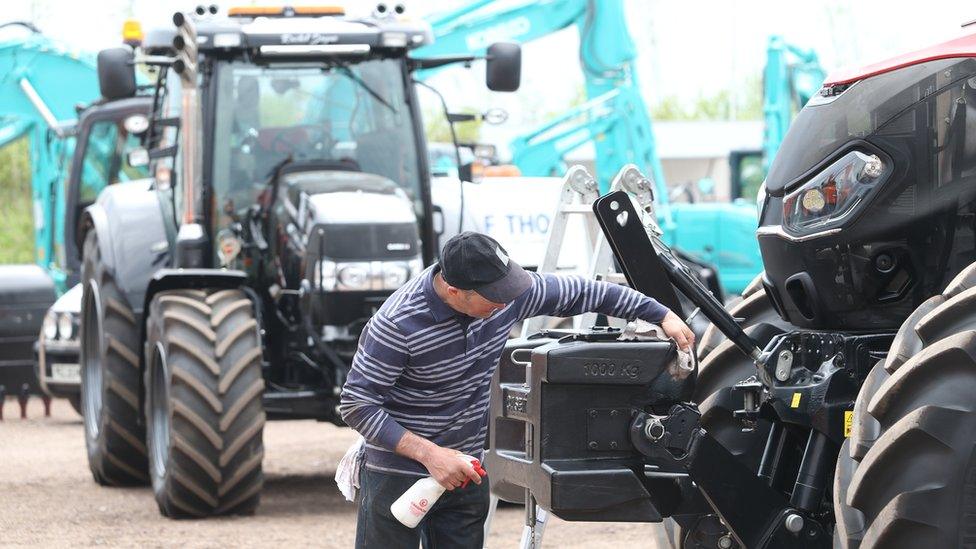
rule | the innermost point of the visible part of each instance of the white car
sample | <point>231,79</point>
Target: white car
<point>58,350</point>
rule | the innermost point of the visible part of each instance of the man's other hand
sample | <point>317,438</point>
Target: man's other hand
<point>677,330</point>
<point>447,469</point>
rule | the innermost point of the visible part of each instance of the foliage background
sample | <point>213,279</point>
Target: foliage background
<point>16,232</point>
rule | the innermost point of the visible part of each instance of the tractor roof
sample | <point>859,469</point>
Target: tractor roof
<point>964,46</point>
<point>295,31</point>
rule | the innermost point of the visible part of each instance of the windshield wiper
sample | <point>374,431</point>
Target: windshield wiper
<point>355,78</point>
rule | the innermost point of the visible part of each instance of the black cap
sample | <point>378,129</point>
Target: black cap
<point>473,261</point>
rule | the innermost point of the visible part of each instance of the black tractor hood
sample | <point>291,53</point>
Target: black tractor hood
<point>829,125</point>
<point>313,178</point>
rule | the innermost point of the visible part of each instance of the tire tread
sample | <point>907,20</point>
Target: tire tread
<point>213,352</point>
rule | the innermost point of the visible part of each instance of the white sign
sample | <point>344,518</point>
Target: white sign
<point>515,211</point>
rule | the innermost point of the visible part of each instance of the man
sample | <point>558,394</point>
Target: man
<point>419,386</point>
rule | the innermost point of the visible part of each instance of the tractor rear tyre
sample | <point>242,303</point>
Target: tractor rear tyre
<point>114,437</point>
<point>916,484</point>
<point>204,410</point>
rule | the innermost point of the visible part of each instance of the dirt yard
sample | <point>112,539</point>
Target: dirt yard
<point>48,497</point>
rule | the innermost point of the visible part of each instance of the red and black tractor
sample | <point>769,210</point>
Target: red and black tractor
<point>835,403</point>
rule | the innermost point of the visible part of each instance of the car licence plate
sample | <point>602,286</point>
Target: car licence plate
<point>67,373</point>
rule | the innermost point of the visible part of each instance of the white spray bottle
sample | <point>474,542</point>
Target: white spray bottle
<point>413,505</point>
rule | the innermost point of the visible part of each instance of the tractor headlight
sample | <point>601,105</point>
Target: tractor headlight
<point>50,326</point>
<point>324,276</point>
<point>833,194</point>
<point>360,276</point>
<point>397,273</point>
<point>354,276</point>
<point>66,327</point>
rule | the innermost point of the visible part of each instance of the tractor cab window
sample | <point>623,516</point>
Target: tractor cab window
<point>351,116</point>
<point>105,160</point>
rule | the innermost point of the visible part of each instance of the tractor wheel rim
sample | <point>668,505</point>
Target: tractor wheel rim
<point>159,420</point>
<point>91,394</point>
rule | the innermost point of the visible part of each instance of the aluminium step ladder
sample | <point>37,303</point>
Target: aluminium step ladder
<point>579,192</point>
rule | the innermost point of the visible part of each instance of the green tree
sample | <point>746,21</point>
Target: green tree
<point>716,106</point>
<point>17,235</point>
<point>437,129</point>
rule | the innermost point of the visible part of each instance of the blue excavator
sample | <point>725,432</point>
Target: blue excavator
<point>791,77</point>
<point>613,118</point>
<point>78,143</point>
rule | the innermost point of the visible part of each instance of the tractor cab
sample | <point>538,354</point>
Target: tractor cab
<point>307,88</point>
<point>298,86</point>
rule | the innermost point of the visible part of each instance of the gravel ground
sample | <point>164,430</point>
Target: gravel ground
<point>48,497</point>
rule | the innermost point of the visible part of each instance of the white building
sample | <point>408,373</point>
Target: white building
<point>695,150</point>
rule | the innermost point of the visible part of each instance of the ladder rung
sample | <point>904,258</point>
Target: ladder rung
<point>576,209</point>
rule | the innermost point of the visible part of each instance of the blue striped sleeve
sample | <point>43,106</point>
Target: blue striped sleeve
<point>569,295</point>
<point>379,361</point>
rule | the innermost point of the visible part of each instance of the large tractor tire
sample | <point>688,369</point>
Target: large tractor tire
<point>722,366</point>
<point>908,478</point>
<point>865,429</point>
<point>114,438</point>
<point>205,416</point>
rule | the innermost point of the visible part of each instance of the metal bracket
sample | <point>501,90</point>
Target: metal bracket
<point>631,180</point>
<point>751,390</point>
<point>757,515</point>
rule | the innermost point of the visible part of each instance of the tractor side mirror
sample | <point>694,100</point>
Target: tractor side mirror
<point>116,73</point>
<point>503,67</point>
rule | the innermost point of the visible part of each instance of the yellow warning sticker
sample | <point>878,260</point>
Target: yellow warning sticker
<point>796,400</point>
<point>848,422</point>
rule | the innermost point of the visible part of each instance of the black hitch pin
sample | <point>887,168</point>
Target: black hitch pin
<point>751,389</point>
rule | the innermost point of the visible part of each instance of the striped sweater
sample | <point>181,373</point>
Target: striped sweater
<point>423,367</point>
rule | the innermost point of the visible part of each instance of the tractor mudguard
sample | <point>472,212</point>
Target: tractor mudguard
<point>192,279</point>
<point>132,236</point>
<point>172,279</point>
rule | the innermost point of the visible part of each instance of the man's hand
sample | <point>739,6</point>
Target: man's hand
<point>447,469</point>
<point>442,463</point>
<point>676,329</point>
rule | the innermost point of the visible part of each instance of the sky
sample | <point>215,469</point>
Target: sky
<point>685,49</point>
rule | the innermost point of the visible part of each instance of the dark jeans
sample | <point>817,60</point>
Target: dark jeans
<point>456,520</point>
